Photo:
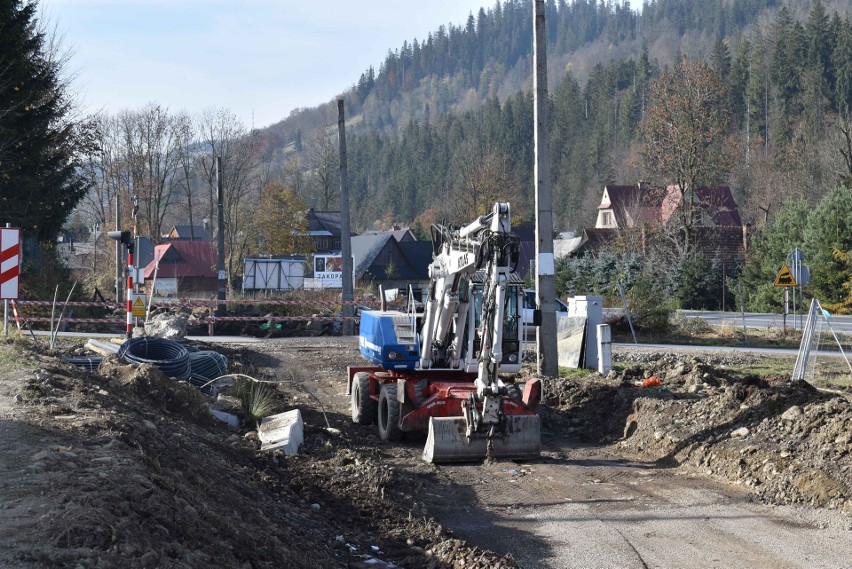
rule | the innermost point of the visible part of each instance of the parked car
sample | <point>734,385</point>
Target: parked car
<point>528,311</point>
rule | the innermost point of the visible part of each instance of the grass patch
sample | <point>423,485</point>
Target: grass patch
<point>771,366</point>
<point>691,333</point>
<point>574,373</point>
<point>258,400</point>
<point>15,354</point>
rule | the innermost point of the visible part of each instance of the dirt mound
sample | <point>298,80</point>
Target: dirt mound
<point>125,467</point>
<point>788,442</point>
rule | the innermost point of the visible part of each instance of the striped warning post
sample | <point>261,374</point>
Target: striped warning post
<point>17,320</point>
<point>129,292</point>
<point>10,260</point>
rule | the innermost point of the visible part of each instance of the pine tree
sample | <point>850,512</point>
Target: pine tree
<point>39,142</point>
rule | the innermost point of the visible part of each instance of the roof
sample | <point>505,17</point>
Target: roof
<point>720,205</point>
<point>365,249</point>
<point>194,232</point>
<point>411,259</point>
<point>182,259</point>
<point>320,221</point>
<point>632,204</point>
<point>717,202</point>
<point>400,234</point>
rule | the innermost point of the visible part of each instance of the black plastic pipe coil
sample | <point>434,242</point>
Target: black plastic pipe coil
<point>206,365</point>
<point>168,356</point>
<point>90,363</point>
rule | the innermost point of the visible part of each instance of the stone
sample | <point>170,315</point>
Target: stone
<point>169,326</point>
<point>793,413</point>
<point>741,432</point>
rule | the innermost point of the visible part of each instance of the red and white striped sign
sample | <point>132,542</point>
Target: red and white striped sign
<point>10,261</point>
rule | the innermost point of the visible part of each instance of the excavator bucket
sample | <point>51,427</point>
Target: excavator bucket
<point>447,442</point>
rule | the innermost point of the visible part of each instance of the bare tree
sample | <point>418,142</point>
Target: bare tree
<point>151,143</point>
<point>478,178</point>
<point>323,162</point>
<point>222,134</point>
<point>293,177</point>
<point>186,177</point>
<point>684,134</point>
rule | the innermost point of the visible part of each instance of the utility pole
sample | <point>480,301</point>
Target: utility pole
<point>119,260</point>
<point>220,261</point>
<point>345,232</point>
<point>545,282</point>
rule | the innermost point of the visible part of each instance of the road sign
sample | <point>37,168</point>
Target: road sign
<point>10,261</point>
<point>796,256</point>
<point>785,277</point>
<point>139,305</point>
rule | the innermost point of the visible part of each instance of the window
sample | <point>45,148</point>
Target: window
<point>335,244</point>
<point>606,219</point>
<point>322,243</point>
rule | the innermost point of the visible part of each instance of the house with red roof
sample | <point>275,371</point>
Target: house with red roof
<point>183,268</point>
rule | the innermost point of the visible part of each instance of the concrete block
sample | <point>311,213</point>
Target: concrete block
<point>284,431</point>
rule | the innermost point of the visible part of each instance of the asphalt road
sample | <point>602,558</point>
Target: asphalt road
<point>763,320</point>
<point>579,508</point>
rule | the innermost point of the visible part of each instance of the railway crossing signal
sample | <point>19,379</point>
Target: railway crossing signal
<point>785,277</point>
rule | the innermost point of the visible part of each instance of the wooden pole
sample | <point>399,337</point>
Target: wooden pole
<point>345,232</point>
<point>548,364</point>
<point>220,260</point>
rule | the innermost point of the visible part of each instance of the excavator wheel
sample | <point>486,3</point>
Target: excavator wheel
<point>389,413</point>
<point>513,390</point>
<point>363,407</point>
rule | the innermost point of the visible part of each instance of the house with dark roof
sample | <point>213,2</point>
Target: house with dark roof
<point>188,233</point>
<point>628,206</point>
<point>183,268</point>
<point>718,230</point>
<point>324,230</point>
<point>381,259</point>
<point>399,233</point>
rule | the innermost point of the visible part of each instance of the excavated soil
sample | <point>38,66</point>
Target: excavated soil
<point>125,467</point>
<point>789,443</point>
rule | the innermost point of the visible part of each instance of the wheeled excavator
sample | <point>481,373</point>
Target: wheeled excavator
<point>452,369</point>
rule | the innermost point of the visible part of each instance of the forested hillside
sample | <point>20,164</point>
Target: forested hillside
<point>460,98</point>
<point>443,127</point>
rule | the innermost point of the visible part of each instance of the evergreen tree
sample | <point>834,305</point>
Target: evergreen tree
<point>720,59</point>
<point>829,229</point>
<point>768,252</point>
<point>39,142</point>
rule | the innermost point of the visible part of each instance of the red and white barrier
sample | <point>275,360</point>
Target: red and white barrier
<point>201,303</point>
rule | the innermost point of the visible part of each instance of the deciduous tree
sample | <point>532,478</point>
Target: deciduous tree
<point>684,132</point>
<point>281,220</point>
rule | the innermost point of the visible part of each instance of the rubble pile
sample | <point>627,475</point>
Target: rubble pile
<point>788,443</point>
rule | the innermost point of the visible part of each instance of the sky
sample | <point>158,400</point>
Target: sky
<point>259,58</point>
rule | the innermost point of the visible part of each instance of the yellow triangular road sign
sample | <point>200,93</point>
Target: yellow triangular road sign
<point>785,277</point>
<point>139,306</point>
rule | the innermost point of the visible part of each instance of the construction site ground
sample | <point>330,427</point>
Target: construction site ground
<point>124,467</point>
